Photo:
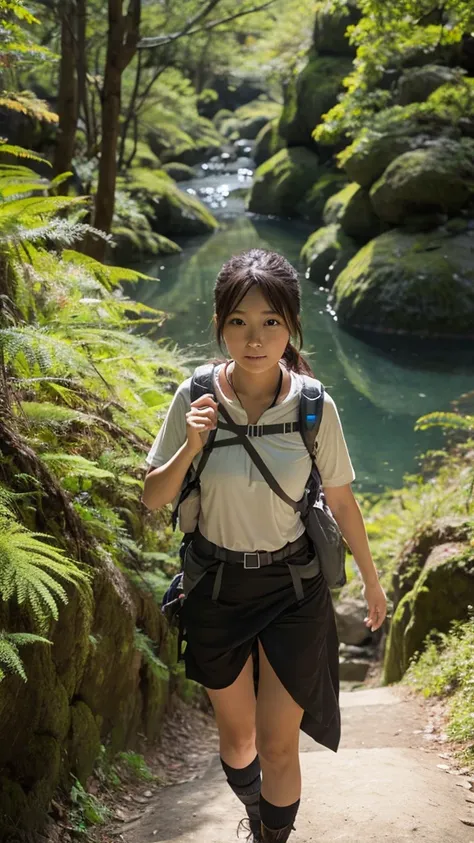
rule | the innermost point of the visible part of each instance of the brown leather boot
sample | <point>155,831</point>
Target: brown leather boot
<point>276,835</point>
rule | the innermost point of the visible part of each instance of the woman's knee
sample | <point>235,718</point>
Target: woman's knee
<point>277,750</point>
<point>238,739</point>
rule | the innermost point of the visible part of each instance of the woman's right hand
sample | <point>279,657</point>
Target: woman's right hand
<point>201,419</point>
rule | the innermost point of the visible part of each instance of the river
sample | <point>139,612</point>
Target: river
<point>380,390</point>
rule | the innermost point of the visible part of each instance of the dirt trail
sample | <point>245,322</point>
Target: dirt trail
<point>384,784</point>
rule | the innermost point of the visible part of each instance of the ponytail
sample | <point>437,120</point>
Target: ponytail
<point>296,362</point>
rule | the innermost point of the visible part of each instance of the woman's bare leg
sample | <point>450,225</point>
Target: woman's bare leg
<point>235,708</point>
<point>278,725</point>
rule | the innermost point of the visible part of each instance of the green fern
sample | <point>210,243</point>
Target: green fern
<point>19,152</point>
<point>30,569</point>
<point>10,661</point>
<point>74,464</point>
<point>448,421</point>
<point>108,276</point>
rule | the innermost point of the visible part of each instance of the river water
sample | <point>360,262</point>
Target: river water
<point>380,391</point>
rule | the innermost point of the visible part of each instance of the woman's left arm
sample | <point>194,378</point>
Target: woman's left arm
<point>346,511</point>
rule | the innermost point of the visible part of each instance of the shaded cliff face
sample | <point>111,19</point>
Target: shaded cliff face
<point>96,685</point>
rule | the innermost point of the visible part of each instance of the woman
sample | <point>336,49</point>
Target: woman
<point>257,306</point>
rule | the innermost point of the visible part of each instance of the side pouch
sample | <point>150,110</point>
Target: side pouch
<point>327,542</point>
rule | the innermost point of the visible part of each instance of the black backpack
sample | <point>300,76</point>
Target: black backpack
<point>320,525</point>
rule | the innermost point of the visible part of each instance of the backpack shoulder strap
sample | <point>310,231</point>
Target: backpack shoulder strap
<point>202,381</point>
<point>310,411</point>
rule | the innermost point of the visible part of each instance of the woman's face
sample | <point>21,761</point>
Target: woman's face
<point>255,335</point>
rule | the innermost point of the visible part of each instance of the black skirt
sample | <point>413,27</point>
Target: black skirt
<point>299,637</point>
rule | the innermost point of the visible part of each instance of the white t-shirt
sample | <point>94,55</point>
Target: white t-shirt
<point>238,510</point>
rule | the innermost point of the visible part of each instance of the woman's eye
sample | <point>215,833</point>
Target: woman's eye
<point>235,321</point>
<point>275,322</point>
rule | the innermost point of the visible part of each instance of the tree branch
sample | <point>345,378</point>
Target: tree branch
<point>161,40</point>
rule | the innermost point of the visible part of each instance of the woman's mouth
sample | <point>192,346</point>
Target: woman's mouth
<point>255,357</point>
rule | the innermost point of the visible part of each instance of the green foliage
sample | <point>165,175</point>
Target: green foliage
<point>10,661</point>
<point>136,766</point>
<point>446,669</point>
<point>390,36</point>
<point>35,573</point>
<point>87,810</point>
<point>447,421</point>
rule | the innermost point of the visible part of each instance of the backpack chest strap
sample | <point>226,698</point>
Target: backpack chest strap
<point>253,430</point>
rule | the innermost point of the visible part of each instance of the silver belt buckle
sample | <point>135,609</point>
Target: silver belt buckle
<point>249,567</point>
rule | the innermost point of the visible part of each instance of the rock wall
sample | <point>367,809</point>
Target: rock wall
<point>94,686</point>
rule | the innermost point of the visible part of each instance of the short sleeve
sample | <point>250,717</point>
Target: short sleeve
<point>172,434</point>
<point>332,456</point>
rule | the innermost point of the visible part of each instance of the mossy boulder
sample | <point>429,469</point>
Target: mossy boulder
<point>352,209</point>
<point>330,26</point>
<point>171,211</point>
<point>326,253</point>
<point>312,205</point>
<point>268,142</point>
<point>282,181</point>
<point>248,120</point>
<point>414,553</point>
<point>439,177</point>
<point>421,284</point>
<point>179,172</point>
<point>442,593</point>
<point>134,245</point>
<point>310,95</point>
<point>369,156</point>
<point>417,83</point>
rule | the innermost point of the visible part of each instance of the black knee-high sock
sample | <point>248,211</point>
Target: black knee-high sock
<point>245,783</point>
<point>275,817</point>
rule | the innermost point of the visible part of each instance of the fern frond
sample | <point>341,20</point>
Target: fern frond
<point>61,231</point>
<point>448,421</point>
<point>74,464</point>
<point>109,276</point>
<point>37,206</point>
<point>20,152</point>
<point>24,102</point>
<point>31,571</point>
<point>9,658</point>
<point>26,349</point>
<point>55,416</point>
<point>18,9</point>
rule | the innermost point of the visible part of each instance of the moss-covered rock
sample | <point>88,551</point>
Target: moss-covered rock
<point>268,142</point>
<point>179,172</point>
<point>415,283</point>
<point>330,28</point>
<point>84,741</point>
<point>439,177</point>
<point>310,95</point>
<point>132,245</point>
<point>282,181</point>
<point>312,205</point>
<point>417,83</point>
<point>415,552</point>
<point>442,593</point>
<point>326,252</point>
<point>171,211</point>
<point>352,209</point>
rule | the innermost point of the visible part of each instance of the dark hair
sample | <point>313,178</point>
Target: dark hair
<point>278,281</point>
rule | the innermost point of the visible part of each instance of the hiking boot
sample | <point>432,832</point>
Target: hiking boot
<point>251,828</point>
<point>275,835</point>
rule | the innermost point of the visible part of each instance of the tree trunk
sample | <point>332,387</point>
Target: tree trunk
<point>122,40</point>
<point>67,96</point>
<point>82,74</point>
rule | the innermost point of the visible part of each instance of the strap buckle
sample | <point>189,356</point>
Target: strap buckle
<point>248,566</point>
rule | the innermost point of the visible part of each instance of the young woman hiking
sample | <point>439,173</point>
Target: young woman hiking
<point>230,605</point>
